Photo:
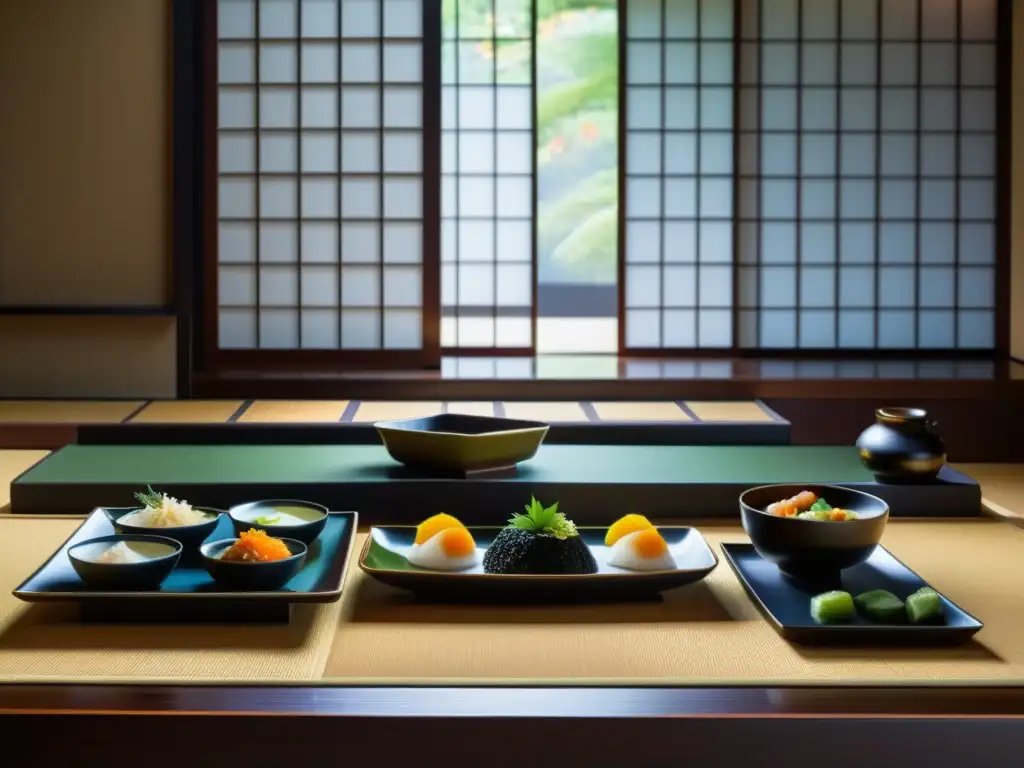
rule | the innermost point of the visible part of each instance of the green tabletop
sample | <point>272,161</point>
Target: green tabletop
<point>300,464</point>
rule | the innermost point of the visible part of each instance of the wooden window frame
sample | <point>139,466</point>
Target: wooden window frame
<point>194,130</point>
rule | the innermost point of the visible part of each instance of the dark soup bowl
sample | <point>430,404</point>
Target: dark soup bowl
<point>257,577</point>
<point>152,558</point>
<point>281,518</point>
<point>813,550</point>
<point>190,536</point>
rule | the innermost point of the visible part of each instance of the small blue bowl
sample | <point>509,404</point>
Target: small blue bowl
<point>300,520</point>
<point>162,555</point>
<point>190,536</point>
<point>258,577</point>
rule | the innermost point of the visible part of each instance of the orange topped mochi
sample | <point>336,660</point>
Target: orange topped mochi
<point>625,526</point>
<point>637,545</point>
<point>434,525</point>
<point>443,543</point>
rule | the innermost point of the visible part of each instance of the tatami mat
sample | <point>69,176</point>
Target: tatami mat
<point>294,411</point>
<point>471,409</point>
<point>368,411</point>
<point>380,410</point>
<point>619,411</point>
<point>740,411</point>
<point>550,412</point>
<point>66,411</point>
<point>187,412</point>
<point>46,643</point>
<point>708,633</point>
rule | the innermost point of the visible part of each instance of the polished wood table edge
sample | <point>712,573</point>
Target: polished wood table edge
<point>535,702</point>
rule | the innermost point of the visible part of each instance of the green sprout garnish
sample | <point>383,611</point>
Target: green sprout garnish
<point>540,519</point>
<point>267,519</point>
<point>820,506</point>
<point>150,499</point>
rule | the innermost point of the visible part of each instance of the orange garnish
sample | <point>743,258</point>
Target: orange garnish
<point>457,542</point>
<point>434,525</point>
<point>649,543</point>
<point>625,526</point>
<point>255,546</point>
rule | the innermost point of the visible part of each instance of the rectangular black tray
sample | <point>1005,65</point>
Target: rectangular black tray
<point>786,605</point>
<point>189,593</point>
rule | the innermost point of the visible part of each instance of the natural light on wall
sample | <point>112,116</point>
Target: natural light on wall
<point>320,183</point>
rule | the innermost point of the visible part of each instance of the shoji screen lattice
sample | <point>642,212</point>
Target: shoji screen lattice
<point>868,173</point>
<point>487,241</point>
<point>679,173</point>
<point>320,174</point>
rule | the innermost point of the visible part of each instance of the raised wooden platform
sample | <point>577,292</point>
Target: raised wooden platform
<point>53,424</point>
<point>595,484</point>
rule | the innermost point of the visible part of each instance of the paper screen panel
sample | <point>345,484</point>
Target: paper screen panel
<point>320,163</point>
<point>678,175</point>
<point>487,157</point>
<point>867,161</point>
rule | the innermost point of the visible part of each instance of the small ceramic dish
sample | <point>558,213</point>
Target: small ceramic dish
<point>452,442</point>
<point>259,577</point>
<point>190,536</point>
<point>157,557</point>
<point>813,549</point>
<point>281,518</point>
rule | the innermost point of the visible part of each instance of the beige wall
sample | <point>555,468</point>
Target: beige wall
<point>84,195</point>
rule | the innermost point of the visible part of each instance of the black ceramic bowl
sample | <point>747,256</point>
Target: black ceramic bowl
<point>299,520</point>
<point>161,553</point>
<point>190,536</point>
<point>812,549</point>
<point>258,577</point>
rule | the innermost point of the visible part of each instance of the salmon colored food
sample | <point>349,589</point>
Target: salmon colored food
<point>790,507</point>
<point>807,506</point>
<point>256,547</point>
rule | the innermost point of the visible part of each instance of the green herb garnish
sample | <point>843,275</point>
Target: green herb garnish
<point>540,519</point>
<point>267,519</point>
<point>150,499</point>
<point>820,506</point>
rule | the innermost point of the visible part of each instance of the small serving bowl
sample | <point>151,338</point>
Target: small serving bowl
<point>259,577</point>
<point>162,556</point>
<point>190,536</point>
<point>313,516</point>
<point>813,549</point>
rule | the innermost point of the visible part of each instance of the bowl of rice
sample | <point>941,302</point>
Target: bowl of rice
<point>125,562</point>
<point>165,515</point>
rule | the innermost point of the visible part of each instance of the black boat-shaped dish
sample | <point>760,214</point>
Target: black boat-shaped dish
<point>459,444</point>
<point>786,604</point>
<point>189,593</point>
<point>384,558</point>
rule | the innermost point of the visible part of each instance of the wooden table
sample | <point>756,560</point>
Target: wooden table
<point>784,726</point>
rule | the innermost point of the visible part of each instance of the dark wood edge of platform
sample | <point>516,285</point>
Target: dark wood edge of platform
<point>240,386</point>
<point>510,726</point>
<point>535,702</point>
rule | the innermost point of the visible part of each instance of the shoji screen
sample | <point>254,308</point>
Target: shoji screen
<point>321,190</point>
<point>487,275</point>
<point>678,173</point>
<point>868,149</point>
